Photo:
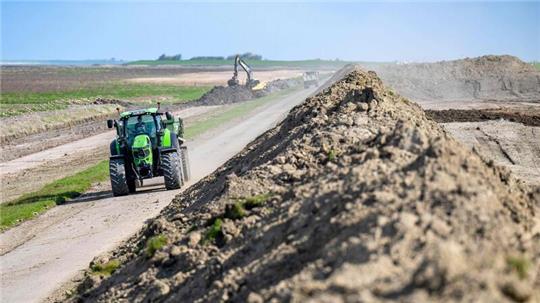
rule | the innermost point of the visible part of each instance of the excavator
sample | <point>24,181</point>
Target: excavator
<point>251,83</point>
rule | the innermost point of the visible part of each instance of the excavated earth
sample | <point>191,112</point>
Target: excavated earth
<point>231,94</point>
<point>355,197</point>
<point>482,78</point>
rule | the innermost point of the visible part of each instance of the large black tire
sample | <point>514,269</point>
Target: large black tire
<point>117,172</point>
<point>172,170</point>
<point>132,185</point>
<point>186,169</point>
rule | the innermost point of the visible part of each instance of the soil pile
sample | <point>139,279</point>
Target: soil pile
<point>355,196</point>
<point>226,94</point>
<point>487,77</point>
<point>231,94</point>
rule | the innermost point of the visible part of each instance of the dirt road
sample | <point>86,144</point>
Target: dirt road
<point>39,255</point>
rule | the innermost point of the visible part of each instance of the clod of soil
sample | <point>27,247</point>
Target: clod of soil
<point>359,197</point>
<point>479,115</point>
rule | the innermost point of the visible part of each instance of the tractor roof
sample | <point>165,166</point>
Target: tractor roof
<point>140,112</point>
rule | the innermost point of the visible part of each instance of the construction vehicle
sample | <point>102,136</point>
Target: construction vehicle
<point>251,83</point>
<point>311,78</point>
<point>148,144</point>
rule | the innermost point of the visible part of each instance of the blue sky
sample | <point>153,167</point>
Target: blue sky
<point>368,31</point>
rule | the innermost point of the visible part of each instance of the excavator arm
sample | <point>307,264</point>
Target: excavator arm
<point>250,82</point>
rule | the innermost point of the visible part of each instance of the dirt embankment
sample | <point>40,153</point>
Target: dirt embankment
<point>355,196</point>
<point>481,78</point>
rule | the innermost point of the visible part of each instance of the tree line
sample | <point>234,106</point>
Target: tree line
<point>178,57</point>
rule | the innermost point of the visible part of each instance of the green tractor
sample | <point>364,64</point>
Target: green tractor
<point>148,144</point>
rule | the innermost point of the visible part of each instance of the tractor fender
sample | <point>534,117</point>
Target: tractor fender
<point>169,140</point>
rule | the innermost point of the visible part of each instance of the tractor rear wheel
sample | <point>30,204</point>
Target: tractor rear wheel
<point>117,173</point>
<point>171,164</point>
<point>186,172</point>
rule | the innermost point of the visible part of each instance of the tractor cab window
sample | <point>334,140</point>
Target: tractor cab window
<point>137,125</point>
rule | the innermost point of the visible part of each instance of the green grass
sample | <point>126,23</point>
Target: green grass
<point>238,209</point>
<point>57,192</point>
<point>15,103</point>
<point>253,63</point>
<point>214,231</point>
<point>536,64</point>
<point>519,264</point>
<point>255,201</point>
<point>105,269</point>
<point>115,90</point>
<point>154,244</point>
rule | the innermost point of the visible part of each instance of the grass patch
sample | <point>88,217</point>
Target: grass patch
<point>235,211</point>
<point>214,232</point>
<point>154,244</point>
<point>57,192</point>
<point>14,103</point>
<point>234,111</point>
<point>255,201</point>
<point>106,269</point>
<point>519,264</point>
<point>332,155</point>
<point>115,90</point>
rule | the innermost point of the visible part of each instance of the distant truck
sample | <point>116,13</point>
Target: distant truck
<point>311,79</point>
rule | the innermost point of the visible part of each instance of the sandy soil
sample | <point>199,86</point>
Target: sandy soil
<point>40,255</point>
<point>508,144</point>
<point>31,172</point>
<point>216,77</point>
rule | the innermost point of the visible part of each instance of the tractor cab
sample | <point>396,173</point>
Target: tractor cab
<point>149,144</point>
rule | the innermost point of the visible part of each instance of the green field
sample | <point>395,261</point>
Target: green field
<point>536,64</point>
<point>57,192</point>
<point>315,63</point>
<point>14,103</point>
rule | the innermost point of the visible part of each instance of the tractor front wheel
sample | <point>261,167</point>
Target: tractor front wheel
<point>171,165</point>
<point>117,173</point>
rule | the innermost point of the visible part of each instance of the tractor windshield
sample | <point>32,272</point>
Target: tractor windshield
<point>143,124</point>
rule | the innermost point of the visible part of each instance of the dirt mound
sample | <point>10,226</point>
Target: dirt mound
<point>226,94</point>
<point>231,94</point>
<point>355,196</point>
<point>487,77</point>
<point>478,115</point>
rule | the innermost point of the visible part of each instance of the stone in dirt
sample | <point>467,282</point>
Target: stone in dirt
<point>355,196</point>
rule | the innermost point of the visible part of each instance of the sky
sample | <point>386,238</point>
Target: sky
<point>359,31</point>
